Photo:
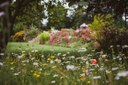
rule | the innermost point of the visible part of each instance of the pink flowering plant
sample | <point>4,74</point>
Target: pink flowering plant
<point>62,36</point>
<point>68,36</point>
<point>84,35</point>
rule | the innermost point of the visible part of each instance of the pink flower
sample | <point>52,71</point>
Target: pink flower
<point>51,40</point>
<point>93,61</point>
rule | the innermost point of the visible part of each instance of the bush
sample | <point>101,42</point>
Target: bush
<point>109,36</point>
<point>19,36</point>
<point>43,37</point>
<point>101,23</point>
<point>31,33</point>
<point>84,35</point>
<point>122,41</point>
<point>61,37</point>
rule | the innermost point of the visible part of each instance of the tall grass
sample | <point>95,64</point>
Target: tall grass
<point>31,67</point>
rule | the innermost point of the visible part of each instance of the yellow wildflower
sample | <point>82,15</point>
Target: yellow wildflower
<point>88,82</point>
<point>87,66</point>
<point>23,55</point>
<point>45,73</point>
<point>82,78</point>
<point>54,66</point>
<point>11,62</point>
<point>83,70</point>
<point>44,64</point>
<point>37,74</point>
<point>52,57</point>
<point>49,59</point>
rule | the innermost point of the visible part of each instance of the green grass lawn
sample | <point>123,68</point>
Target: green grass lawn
<point>14,47</point>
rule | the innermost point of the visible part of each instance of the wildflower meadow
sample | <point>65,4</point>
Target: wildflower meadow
<point>83,65</point>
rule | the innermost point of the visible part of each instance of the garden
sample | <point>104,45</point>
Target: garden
<point>95,55</point>
<point>66,57</point>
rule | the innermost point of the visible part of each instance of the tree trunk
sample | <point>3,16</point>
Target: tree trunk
<point>5,29</point>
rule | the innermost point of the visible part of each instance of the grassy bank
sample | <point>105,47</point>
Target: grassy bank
<point>17,47</point>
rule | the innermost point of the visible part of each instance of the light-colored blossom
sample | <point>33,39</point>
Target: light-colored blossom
<point>12,68</point>
<point>59,54</point>
<point>115,68</point>
<point>64,55</point>
<point>71,67</point>
<point>121,74</point>
<point>125,46</point>
<point>35,63</point>
<point>19,57</point>
<point>82,50</point>
<point>58,60</point>
<point>16,74</point>
<point>1,54</point>
<point>97,77</point>
<point>71,57</point>
<point>51,61</point>
<point>56,75</point>
<point>53,82</point>
<point>25,61</point>
<point>1,64</point>
<point>32,58</point>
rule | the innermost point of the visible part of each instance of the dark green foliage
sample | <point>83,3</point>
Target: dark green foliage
<point>115,38</point>
<point>109,35</point>
<point>31,33</point>
<point>18,27</point>
<point>56,15</point>
<point>101,23</point>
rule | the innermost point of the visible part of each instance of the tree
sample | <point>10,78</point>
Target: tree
<point>32,14</point>
<point>25,11</point>
<point>4,27</point>
<point>114,7</point>
<point>56,14</point>
<point>12,11</point>
<point>78,16</point>
<point>117,7</point>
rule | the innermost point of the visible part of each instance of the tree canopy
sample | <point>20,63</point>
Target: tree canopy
<point>115,7</point>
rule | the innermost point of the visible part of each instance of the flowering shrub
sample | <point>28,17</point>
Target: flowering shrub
<point>63,36</point>
<point>19,36</point>
<point>84,35</point>
<point>31,33</point>
<point>69,36</point>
